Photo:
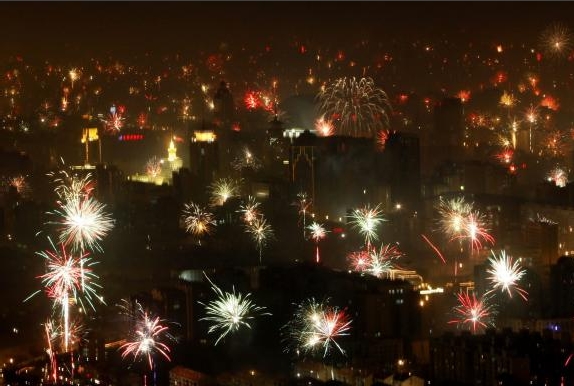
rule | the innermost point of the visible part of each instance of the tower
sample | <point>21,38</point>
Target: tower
<point>223,106</point>
<point>203,159</point>
<point>171,151</point>
<point>303,164</point>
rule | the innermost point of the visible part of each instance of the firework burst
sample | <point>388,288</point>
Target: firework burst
<point>222,190</point>
<point>260,232</point>
<point>70,186</point>
<point>554,144</point>
<point>197,220</point>
<point>556,40</point>
<point>507,100</point>
<point>318,233</point>
<point>382,261</point>
<point>84,223</point>
<point>558,176</point>
<point>246,160</point>
<point>324,127</point>
<point>250,210</point>
<point>20,184</point>
<point>69,278</point>
<point>317,326</point>
<point>452,214</point>
<point>153,168</point>
<point>505,274</point>
<point>366,220</point>
<point>359,260</point>
<point>475,231</point>
<point>505,156</point>
<point>146,337</point>
<point>356,107</point>
<point>229,312</point>
<point>114,123</point>
<point>382,138</point>
<point>472,312</point>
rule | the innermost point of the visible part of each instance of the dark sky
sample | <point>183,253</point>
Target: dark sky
<point>64,28</point>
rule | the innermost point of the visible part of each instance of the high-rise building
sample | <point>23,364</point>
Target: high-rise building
<point>276,151</point>
<point>444,142</point>
<point>403,169</point>
<point>223,106</point>
<point>562,287</point>
<point>303,164</point>
<point>203,159</point>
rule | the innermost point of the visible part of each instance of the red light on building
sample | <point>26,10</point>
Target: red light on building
<point>130,137</point>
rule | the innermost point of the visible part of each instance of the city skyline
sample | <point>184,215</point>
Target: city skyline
<point>246,193</point>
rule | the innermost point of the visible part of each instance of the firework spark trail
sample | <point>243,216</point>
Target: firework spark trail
<point>568,360</point>
<point>229,311</point>
<point>303,204</point>
<point>146,337</point>
<point>197,220</point>
<point>70,186</point>
<point>51,334</point>
<point>366,220</point>
<point>153,168</point>
<point>260,232</point>
<point>382,138</point>
<point>433,247</point>
<point>356,107</point>
<point>505,274</point>
<point>318,233</point>
<point>82,218</point>
<point>68,277</point>
<point>476,313</point>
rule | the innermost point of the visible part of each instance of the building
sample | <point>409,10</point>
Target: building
<point>183,376</point>
<point>223,105</point>
<point>444,142</point>
<point>203,159</point>
<point>500,358</point>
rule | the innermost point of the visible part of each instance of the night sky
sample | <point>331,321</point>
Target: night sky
<point>68,29</point>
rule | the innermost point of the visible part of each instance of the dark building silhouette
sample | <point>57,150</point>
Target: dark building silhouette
<point>302,163</point>
<point>182,181</point>
<point>542,238</point>
<point>500,358</point>
<point>108,182</point>
<point>347,172</point>
<point>203,158</point>
<point>445,140</point>
<point>403,169</point>
<point>562,287</point>
<point>224,108</point>
<point>276,151</point>
<point>449,122</point>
